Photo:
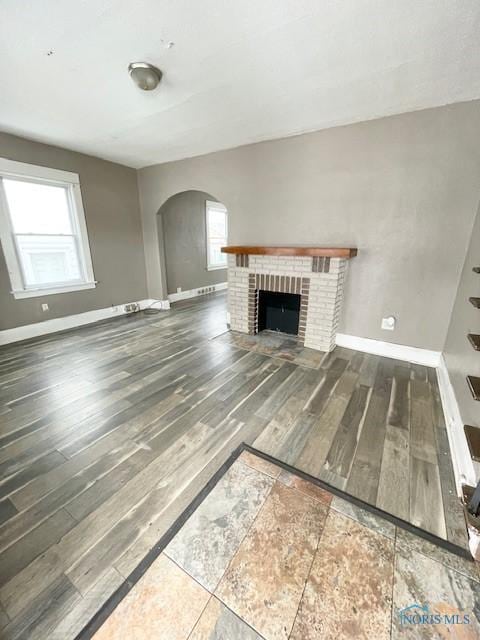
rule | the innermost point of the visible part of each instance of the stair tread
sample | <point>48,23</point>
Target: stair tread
<point>473,439</point>
<point>474,340</point>
<point>467,493</point>
<point>474,385</point>
<point>475,302</point>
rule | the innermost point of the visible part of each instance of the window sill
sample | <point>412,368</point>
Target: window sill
<point>222,266</point>
<point>48,291</point>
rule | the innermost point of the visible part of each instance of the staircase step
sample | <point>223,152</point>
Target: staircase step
<point>474,340</point>
<point>475,302</point>
<point>476,269</point>
<point>474,384</point>
<point>473,439</point>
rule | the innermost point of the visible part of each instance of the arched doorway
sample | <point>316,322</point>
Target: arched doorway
<point>192,225</point>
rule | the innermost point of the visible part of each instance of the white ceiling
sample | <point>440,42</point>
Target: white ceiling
<point>240,70</point>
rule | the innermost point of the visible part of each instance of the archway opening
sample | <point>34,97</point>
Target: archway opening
<point>192,227</point>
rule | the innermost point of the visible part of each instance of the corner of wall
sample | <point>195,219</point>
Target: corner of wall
<point>153,266</point>
<point>459,359</point>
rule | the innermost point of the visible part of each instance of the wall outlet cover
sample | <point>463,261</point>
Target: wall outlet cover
<point>388,323</point>
<point>44,306</point>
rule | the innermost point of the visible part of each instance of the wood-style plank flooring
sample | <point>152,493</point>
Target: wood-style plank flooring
<point>109,431</point>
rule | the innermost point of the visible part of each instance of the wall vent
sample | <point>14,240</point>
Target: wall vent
<point>206,290</point>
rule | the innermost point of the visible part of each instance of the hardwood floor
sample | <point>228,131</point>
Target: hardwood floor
<point>109,431</point>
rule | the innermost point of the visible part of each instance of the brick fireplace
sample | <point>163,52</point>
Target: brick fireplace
<point>317,275</point>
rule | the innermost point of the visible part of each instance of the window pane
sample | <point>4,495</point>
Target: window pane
<point>217,223</point>
<point>49,259</point>
<point>37,208</point>
<point>217,236</point>
<point>216,257</point>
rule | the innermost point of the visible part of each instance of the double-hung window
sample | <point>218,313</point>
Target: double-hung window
<point>43,231</point>
<point>216,221</point>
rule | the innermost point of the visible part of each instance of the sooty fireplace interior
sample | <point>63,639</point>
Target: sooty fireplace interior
<point>278,311</point>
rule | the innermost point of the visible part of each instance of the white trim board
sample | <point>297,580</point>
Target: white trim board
<point>390,350</point>
<point>193,293</point>
<point>53,325</point>
<point>463,467</point>
<point>28,170</point>
<point>153,303</point>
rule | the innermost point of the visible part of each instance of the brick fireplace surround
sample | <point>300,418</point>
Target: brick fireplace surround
<point>317,274</point>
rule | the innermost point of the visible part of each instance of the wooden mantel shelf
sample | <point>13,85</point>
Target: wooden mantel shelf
<point>329,252</point>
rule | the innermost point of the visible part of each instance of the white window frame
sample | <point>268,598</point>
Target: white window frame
<point>218,206</point>
<point>44,175</point>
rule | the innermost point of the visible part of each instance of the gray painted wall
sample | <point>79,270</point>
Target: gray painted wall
<point>184,237</point>
<point>460,357</point>
<point>110,198</point>
<point>403,189</point>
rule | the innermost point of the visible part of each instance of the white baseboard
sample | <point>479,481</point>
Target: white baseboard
<point>200,291</point>
<point>27,331</point>
<point>390,350</point>
<point>463,466</point>
<point>152,303</point>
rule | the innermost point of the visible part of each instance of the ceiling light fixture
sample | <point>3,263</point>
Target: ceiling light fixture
<point>144,75</point>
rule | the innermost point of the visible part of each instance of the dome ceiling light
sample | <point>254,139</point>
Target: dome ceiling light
<point>144,75</point>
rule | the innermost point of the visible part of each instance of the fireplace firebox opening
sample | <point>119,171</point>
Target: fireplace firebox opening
<point>278,311</point>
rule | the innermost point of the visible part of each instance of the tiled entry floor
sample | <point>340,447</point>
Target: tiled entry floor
<point>269,555</point>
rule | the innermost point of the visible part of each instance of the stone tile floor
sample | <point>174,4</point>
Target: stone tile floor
<point>276,345</point>
<point>270,555</point>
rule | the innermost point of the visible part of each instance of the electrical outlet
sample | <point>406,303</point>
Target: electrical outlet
<point>44,306</point>
<point>132,307</point>
<point>388,323</point>
<point>179,289</point>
